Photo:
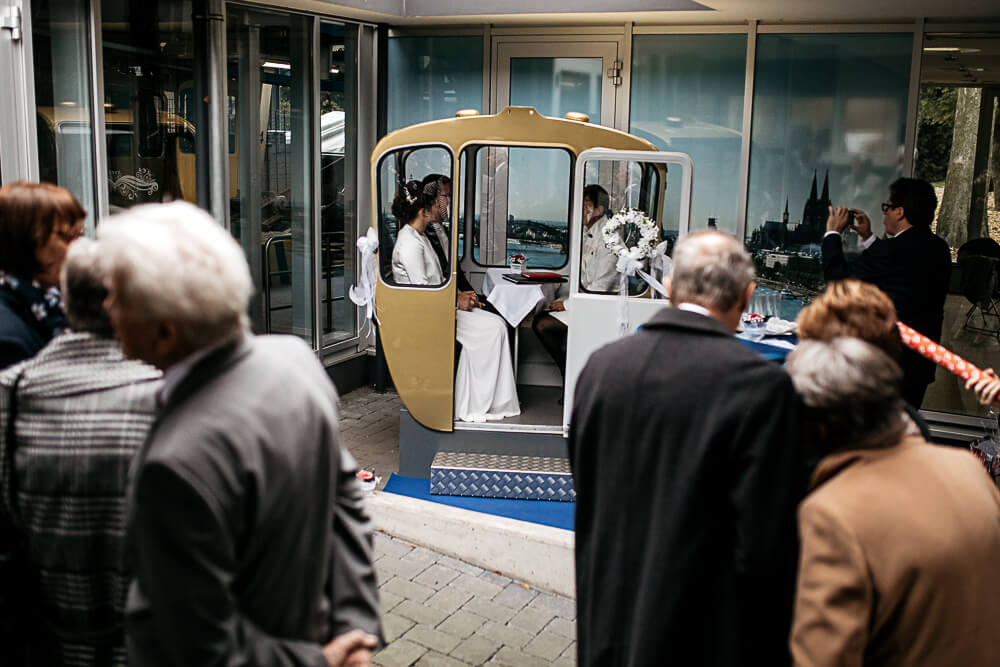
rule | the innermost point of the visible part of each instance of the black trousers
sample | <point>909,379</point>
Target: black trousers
<point>553,335</point>
<point>918,373</point>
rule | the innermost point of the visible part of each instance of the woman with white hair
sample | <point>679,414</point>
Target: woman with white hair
<point>899,538</point>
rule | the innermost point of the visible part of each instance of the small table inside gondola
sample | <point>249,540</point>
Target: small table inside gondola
<point>514,301</point>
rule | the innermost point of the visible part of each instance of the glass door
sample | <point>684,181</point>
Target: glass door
<point>556,78</point>
<point>271,177</point>
<point>338,196</point>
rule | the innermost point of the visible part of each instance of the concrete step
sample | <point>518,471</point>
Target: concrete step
<point>501,476</point>
<point>540,556</point>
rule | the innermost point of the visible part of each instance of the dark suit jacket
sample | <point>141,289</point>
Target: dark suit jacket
<point>463,283</point>
<point>914,269</point>
<point>247,533</point>
<point>687,467</point>
<point>21,337</point>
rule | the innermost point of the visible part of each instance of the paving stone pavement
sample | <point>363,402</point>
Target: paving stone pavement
<point>439,612</point>
<point>369,427</point>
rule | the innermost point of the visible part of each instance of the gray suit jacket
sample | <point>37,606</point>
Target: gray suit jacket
<point>247,531</point>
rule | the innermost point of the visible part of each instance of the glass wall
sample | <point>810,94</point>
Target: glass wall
<point>829,125</point>
<point>433,77</point>
<point>151,101</point>
<point>687,96</point>
<point>272,213</point>
<point>338,114</point>
<point>63,99</point>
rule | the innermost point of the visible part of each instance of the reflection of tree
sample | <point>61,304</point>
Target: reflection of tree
<point>934,132</point>
<point>995,157</point>
<point>332,101</point>
<point>959,218</point>
<point>284,109</point>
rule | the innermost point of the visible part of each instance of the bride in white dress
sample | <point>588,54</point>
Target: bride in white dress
<point>484,381</point>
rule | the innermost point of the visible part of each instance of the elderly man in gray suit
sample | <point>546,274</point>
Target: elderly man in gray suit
<point>247,532</point>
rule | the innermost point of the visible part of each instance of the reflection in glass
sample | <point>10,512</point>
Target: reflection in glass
<point>687,96</point>
<point>829,126</point>
<point>522,206</point>
<point>556,86</point>
<point>269,67</point>
<point>62,98</point>
<point>433,77</point>
<point>394,170</point>
<point>148,56</point>
<point>338,169</point>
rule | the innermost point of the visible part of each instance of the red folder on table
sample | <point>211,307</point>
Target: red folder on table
<point>528,277</point>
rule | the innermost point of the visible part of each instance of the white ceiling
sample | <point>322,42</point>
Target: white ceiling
<point>563,12</point>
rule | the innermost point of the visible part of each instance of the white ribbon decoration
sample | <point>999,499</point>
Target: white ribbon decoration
<point>629,265</point>
<point>364,293</point>
<point>660,262</point>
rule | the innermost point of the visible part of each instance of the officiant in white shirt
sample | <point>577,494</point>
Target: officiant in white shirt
<point>597,274</point>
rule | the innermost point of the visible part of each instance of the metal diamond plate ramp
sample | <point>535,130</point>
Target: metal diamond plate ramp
<point>501,476</point>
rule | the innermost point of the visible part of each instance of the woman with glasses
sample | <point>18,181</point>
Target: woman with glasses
<point>38,221</point>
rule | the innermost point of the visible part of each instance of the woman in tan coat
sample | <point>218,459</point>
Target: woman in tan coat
<point>900,539</point>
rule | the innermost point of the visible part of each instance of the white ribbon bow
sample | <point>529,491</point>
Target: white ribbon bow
<point>629,265</point>
<point>364,293</point>
<point>660,262</point>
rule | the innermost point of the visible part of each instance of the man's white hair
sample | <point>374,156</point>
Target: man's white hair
<point>174,261</point>
<point>711,269</point>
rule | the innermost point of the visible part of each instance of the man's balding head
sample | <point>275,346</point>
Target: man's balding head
<point>711,270</point>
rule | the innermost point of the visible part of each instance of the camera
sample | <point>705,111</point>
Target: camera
<point>850,218</point>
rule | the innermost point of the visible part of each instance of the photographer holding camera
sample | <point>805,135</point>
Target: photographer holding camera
<point>912,265</point>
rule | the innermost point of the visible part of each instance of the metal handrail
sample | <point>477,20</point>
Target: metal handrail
<point>268,274</point>
<point>326,272</point>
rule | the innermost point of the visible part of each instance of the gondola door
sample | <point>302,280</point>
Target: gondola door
<point>638,182</point>
<point>417,320</point>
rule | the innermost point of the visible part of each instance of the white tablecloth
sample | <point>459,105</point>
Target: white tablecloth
<point>513,301</point>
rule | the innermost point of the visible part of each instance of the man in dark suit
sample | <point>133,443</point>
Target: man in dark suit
<point>246,530</point>
<point>912,266</point>
<point>439,187</point>
<point>687,467</point>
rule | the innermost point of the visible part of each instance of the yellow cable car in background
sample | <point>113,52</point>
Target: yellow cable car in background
<point>517,182</point>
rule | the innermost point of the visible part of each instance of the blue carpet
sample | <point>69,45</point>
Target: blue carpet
<point>557,514</point>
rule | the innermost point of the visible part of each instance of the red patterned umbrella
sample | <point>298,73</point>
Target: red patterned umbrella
<point>939,355</point>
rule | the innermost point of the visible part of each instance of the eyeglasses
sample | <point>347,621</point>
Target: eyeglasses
<point>887,205</point>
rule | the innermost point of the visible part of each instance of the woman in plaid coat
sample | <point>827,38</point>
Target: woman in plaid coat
<point>82,411</point>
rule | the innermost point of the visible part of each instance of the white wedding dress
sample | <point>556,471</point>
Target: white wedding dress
<point>484,381</point>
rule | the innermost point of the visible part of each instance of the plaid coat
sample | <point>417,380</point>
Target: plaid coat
<point>83,412</point>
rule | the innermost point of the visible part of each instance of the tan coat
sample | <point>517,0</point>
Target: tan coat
<point>900,561</point>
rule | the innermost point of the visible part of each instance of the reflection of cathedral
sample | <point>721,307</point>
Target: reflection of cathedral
<point>815,213</point>
<point>778,234</point>
<point>789,253</point>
